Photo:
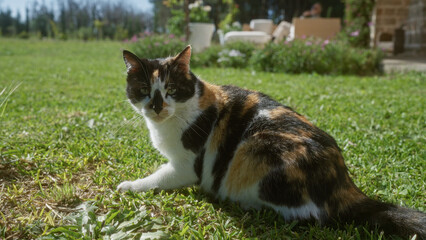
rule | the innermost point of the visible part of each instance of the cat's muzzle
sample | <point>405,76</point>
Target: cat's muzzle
<point>157,102</point>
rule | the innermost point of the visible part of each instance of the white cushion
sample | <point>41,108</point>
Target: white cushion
<point>262,25</point>
<point>250,36</point>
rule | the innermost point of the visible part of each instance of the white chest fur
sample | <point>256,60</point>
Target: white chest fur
<point>166,136</point>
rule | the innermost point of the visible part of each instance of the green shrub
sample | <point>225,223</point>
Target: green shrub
<point>314,55</point>
<point>24,35</point>
<point>298,56</point>
<point>206,58</point>
<point>121,33</point>
<point>236,55</point>
<point>156,46</point>
<point>85,33</point>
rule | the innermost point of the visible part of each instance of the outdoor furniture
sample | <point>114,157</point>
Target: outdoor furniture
<point>262,25</point>
<point>261,36</point>
<point>324,28</point>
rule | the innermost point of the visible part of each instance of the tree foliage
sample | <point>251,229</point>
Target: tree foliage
<point>77,19</point>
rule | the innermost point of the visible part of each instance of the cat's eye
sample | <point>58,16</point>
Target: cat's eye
<point>171,90</point>
<point>145,90</point>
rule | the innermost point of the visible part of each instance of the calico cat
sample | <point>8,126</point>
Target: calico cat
<point>241,145</point>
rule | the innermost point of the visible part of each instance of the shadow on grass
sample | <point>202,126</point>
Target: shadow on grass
<point>268,224</point>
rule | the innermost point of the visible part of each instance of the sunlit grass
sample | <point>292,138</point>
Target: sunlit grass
<point>68,137</point>
<point>5,94</point>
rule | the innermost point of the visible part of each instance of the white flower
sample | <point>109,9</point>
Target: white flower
<point>207,8</point>
<point>198,3</point>
<point>236,53</point>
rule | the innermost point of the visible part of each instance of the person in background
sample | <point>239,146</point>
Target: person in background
<point>315,11</point>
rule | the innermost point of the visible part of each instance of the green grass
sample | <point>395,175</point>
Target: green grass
<point>68,137</point>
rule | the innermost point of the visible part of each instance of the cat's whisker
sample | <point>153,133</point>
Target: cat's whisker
<point>190,126</point>
<point>132,122</point>
<point>194,124</point>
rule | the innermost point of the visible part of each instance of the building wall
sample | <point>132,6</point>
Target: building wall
<point>389,15</point>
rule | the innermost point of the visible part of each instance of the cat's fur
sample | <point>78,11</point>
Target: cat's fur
<point>242,145</point>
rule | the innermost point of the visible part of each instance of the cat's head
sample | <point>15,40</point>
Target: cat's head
<point>157,88</point>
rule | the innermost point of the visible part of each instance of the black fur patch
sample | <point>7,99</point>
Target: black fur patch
<point>198,165</point>
<point>200,88</point>
<point>137,80</point>
<point>235,129</point>
<point>276,188</point>
<point>185,87</point>
<point>195,136</point>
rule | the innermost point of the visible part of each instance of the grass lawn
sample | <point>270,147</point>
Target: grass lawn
<point>68,137</point>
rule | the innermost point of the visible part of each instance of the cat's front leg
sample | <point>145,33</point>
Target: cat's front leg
<point>167,177</point>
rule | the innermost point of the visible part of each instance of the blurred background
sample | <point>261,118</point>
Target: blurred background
<point>393,27</point>
<point>121,19</point>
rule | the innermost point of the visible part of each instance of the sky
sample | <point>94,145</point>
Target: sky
<point>19,5</point>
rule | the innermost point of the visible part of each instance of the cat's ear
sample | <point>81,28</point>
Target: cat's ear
<point>133,63</point>
<point>183,58</point>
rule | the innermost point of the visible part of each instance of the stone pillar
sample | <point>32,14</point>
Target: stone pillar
<point>415,27</point>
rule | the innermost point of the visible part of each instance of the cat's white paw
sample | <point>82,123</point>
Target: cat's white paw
<point>126,185</point>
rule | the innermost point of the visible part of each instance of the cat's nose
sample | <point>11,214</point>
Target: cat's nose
<point>157,110</point>
<point>157,102</point>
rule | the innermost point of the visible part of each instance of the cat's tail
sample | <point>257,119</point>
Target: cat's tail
<point>390,218</point>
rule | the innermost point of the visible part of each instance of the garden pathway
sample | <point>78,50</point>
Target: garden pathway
<point>405,63</point>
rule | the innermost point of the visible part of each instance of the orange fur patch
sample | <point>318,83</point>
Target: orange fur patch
<point>165,104</point>
<point>303,119</point>
<point>221,99</point>
<point>292,170</point>
<point>154,76</point>
<point>219,133</point>
<point>209,95</point>
<point>251,101</point>
<point>294,173</point>
<point>278,112</point>
<point>244,170</point>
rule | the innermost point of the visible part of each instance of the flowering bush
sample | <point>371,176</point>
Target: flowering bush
<point>357,22</point>
<point>148,45</point>
<point>298,56</point>
<point>236,54</point>
<point>198,12</point>
<point>319,56</point>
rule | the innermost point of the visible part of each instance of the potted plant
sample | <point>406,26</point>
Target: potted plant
<point>201,30</point>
